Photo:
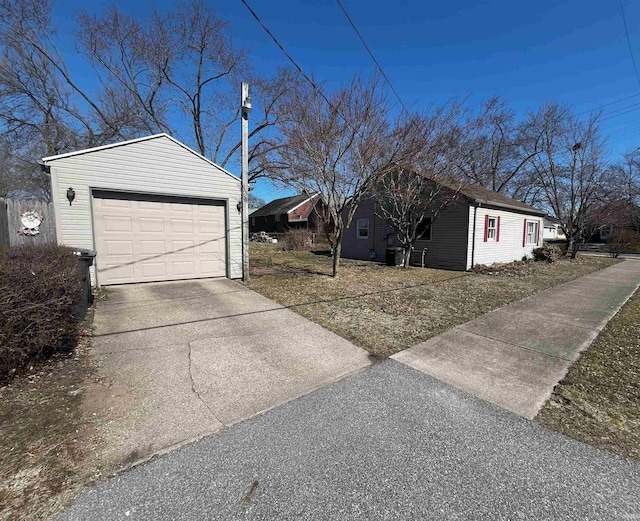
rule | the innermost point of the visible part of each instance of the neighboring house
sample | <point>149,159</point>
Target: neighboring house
<point>552,229</point>
<point>152,208</point>
<point>617,215</point>
<point>481,227</point>
<point>287,213</point>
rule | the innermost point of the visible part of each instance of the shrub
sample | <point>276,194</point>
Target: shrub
<point>547,253</point>
<point>622,241</point>
<point>297,240</point>
<point>39,290</point>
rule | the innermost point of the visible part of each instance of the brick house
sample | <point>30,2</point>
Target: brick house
<point>288,213</point>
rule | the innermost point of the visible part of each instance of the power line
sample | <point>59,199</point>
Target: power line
<point>608,104</point>
<point>295,64</point>
<point>608,117</point>
<point>384,75</point>
<point>626,30</point>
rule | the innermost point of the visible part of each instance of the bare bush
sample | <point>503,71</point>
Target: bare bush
<point>297,240</point>
<point>39,291</point>
<point>622,241</point>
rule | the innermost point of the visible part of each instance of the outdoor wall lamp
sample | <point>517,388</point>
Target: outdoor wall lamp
<point>239,206</point>
<point>71,195</point>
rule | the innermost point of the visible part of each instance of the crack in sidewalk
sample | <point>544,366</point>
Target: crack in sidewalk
<point>195,391</point>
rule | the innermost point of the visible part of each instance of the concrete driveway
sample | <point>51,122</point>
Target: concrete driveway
<point>180,360</point>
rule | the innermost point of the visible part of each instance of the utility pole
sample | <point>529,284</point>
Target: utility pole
<point>245,108</point>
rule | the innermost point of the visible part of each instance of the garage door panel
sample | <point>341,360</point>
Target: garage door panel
<point>211,267</point>
<point>181,226</point>
<point>153,240</point>
<point>185,268</point>
<point>153,206</point>
<point>186,247</point>
<point>116,203</point>
<point>120,273</point>
<point>152,248</point>
<point>181,208</point>
<point>118,248</point>
<point>153,270</point>
<point>212,247</point>
<point>117,224</point>
<point>151,225</point>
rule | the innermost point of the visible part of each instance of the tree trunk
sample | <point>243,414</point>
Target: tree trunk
<point>336,257</point>
<point>407,257</point>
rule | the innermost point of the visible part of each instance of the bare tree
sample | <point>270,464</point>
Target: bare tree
<point>410,202</point>
<point>183,63</point>
<point>570,170</point>
<point>625,187</point>
<point>495,149</point>
<point>255,202</point>
<point>337,149</point>
<point>150,72</point>
<point>410,199</point>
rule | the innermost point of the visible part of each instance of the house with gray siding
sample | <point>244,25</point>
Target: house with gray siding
<point>152,209</point>
<point>480,227</point>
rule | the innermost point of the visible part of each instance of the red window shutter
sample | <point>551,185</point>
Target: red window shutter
<point>524,234</point>
<point>498,229</point>
<point>486,228</point>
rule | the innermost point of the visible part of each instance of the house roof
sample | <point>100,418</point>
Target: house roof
<point>137,140</point>
<point>482,195</point>
<point>280,206</point>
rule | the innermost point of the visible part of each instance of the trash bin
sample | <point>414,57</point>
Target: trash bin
<point>395,256</point>
<point>85,299</point>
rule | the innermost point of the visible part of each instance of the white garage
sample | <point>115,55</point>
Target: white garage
<point>152,209</point>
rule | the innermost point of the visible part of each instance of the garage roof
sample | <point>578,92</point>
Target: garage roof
<point>137,140</point>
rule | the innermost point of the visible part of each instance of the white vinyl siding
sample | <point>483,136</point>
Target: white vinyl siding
<point>157,165</point>
<point>509,247</point>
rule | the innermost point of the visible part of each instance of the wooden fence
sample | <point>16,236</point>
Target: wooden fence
<point>13,232</point>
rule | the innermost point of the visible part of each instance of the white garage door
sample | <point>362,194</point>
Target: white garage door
<point>144,239</point>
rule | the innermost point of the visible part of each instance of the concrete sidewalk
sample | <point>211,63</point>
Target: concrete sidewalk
<point>515,355</point>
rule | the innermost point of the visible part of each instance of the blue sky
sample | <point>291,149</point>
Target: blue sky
<point>574,52</point>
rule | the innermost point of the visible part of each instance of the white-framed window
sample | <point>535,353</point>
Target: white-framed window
<point>424,229</point>
<point>363,228</point>
<point>492,228</point>
<point>532,233</point>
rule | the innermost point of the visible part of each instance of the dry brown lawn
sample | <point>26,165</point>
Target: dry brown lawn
<point>598,402</point>
<point>387,309</point>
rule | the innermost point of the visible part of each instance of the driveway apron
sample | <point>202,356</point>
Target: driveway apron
<point>183,359</point>
<point>514,356</point>
<point>390,443</point>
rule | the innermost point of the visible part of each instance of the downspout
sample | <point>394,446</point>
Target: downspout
<point>473,239</point>
<point>372,251</point>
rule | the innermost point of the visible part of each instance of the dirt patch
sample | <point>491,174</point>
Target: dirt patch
<point>107,400</point>
<point>387,309</point>
<point>47,444</point>
<point>51,432</point>
<point>598,401</point>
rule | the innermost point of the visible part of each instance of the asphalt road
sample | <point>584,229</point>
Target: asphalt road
<point>388,443</point>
